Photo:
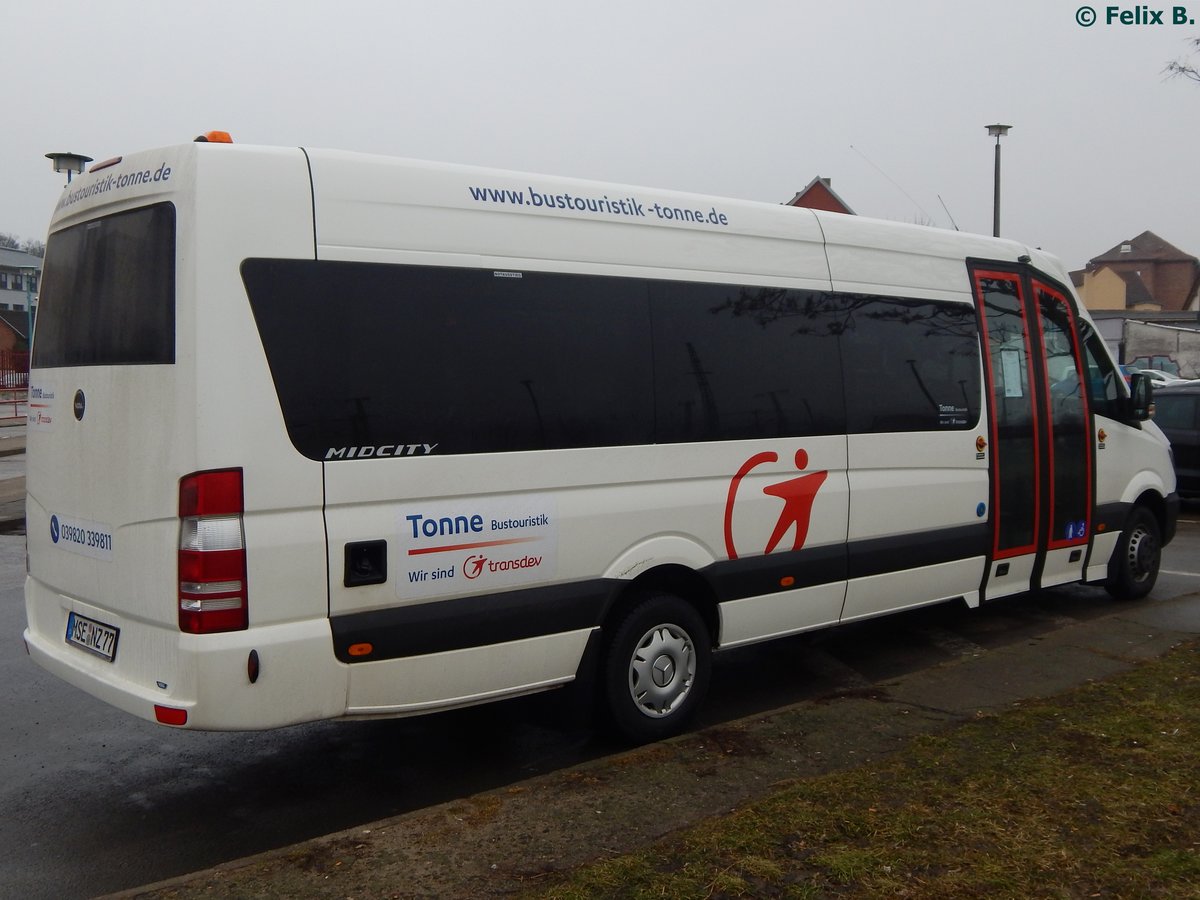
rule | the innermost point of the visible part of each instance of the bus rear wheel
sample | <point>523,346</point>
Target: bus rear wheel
<point>656,668</point>
<point>1133,568</point>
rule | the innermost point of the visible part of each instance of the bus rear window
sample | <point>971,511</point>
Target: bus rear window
<point>108,292</point>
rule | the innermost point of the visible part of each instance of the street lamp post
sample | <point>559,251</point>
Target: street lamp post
<point>68,162</point>
<point>997,131</point>
<point>30,272</point>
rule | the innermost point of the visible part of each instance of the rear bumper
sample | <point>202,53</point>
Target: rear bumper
<point>202,676</point>
<point>114,691</point>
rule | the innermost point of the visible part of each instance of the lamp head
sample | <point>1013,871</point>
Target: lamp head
<point>68,162</point>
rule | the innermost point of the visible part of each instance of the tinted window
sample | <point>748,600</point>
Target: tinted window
<point>736,362</point>
<point>1103,393</point>
<point>1012,401</point>
<point>910,365</point>
<point>108,292</point>
<point>1070,432</point>
<point>468,360</point>
<point>476,361</point>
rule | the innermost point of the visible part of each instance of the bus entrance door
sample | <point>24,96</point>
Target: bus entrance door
<point>1041,455</point>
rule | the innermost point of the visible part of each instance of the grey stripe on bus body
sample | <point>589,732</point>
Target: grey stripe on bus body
<point>488,619</point>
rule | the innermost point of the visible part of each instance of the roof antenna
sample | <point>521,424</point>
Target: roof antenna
<point>893,181</point>
<point>952,222</point>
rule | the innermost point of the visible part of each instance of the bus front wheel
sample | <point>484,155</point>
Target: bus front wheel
<point>1133,568</point>
<point>656,668</point>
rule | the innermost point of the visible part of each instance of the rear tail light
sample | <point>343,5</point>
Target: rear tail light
<point>212,553</point>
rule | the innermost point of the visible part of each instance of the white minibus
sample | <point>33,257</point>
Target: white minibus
<point>316,434</point>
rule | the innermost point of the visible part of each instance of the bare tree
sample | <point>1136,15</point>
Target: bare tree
<point>1181,67</point>
<point>30,246</point>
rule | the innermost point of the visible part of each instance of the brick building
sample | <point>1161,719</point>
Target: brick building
<point>1143,274</point>
<point>14,276</point>
<point>820,195</point>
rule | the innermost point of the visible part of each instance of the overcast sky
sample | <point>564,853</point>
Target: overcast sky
<point>747,99</point>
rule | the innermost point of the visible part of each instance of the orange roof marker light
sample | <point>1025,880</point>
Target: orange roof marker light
<point>215,137</point>
<point>104,165</point>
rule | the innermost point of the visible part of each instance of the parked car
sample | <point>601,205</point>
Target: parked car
<point>1177,413</point>
<point>1159,377</point>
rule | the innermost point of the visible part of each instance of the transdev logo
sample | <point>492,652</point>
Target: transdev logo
<point>798,494</point>
<point>480,565</point>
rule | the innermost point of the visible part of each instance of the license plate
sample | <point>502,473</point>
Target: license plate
<point>92,636</point>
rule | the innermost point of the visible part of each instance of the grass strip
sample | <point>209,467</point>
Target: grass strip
<point>1093,793</point>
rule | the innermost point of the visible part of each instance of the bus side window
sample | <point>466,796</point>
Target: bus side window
<point>1102,378</point>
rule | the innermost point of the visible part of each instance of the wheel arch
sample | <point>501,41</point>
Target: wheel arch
<point>671,563</point>
<point>1156,503</point>
<point>671,578</point>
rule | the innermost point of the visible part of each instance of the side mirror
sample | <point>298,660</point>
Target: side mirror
<point>1141,397</point>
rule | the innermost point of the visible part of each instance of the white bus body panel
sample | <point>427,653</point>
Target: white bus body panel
<point>380,209</point>
<point>374,209</point>
<point>464,677</point>
<point>904,260</point>
<point>910,483</point>
<point>913,484</point>
<point>605,515</point>
<point>147,426</point>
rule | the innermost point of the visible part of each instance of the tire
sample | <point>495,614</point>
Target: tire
<point>655,669</point>
<point>1133,568</point>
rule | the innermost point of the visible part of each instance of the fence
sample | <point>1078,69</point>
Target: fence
<point>14,385</point>
<point>14,369</point>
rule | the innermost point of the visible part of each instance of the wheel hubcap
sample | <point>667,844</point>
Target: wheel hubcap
<point>1143,551</point>
<point>662,670</point>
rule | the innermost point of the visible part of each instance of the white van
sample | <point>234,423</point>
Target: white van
<point>317,434</point>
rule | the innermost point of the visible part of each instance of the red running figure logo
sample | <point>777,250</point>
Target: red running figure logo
<point>797,494</point>
<point>473,567</point>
